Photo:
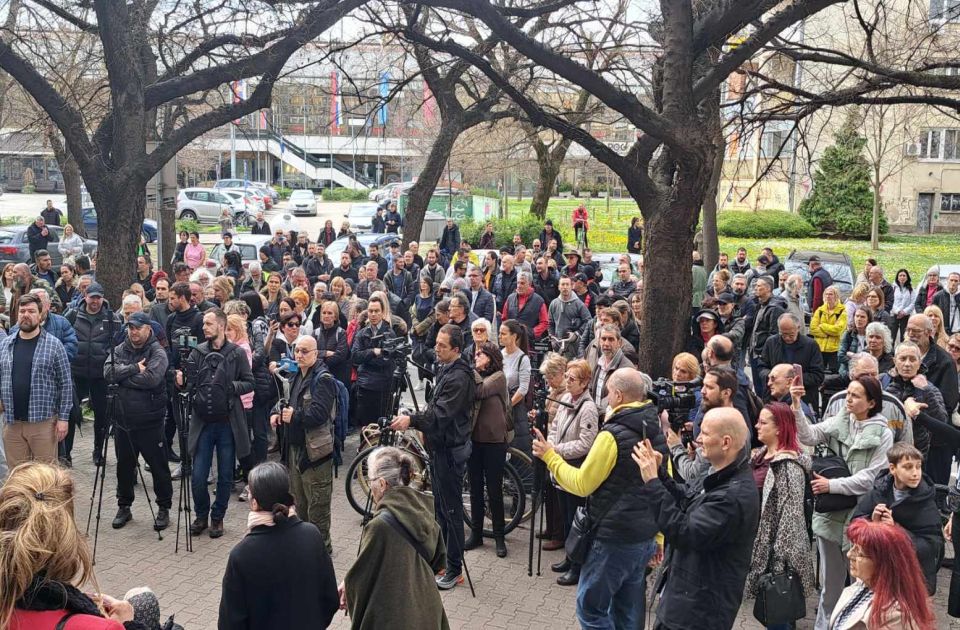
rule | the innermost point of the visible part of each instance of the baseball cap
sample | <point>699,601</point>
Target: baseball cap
<point>580,277</point>
<point>138,319</point>
<point>814,258</point>
<point>726,298</point>
<point>95,289</point>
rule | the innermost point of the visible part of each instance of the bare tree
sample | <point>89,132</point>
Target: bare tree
<point>667,87</point>
<point>164,67</point>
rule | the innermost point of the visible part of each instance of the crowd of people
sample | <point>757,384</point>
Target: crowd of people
<point>812,430</point>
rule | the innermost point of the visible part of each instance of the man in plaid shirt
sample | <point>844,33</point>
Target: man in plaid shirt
<point>35,388</point>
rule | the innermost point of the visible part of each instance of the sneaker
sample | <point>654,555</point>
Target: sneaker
<point>197,527</point>
<point>447,581</point>
<point>216,528</point>
<point>245,495</point>
<point>122,518</point>
<point>163,519</point>
<point>177,473</point>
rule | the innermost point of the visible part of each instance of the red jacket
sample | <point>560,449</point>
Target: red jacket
<point>48,620</point>
<point>580,214</point>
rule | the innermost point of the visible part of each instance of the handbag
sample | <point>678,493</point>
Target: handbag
<point>780,597</point>
<point>832,467</point>
<point>582,531</point>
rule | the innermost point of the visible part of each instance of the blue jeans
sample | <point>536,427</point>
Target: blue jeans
<point>217,435</point>
<point>613,585</point>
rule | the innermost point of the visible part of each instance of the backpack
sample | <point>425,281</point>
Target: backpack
<point>213,389</point>
<point>339,417</point>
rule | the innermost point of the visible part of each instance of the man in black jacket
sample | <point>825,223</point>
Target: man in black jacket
<point>96,327</point>
<point>38,236</point>
<point>450,238</point>
<point>138,367</point>
<point>481,300</point>
<point>183,323</point>
<point>612,580</point>
<point>709,526</point>
<point>228,434</point>
<point>506,281</point>
<point>546,281</point>
<point>260,226</point>
<point>313,396</point>
<point>446,424</point>
<point>790,346</point>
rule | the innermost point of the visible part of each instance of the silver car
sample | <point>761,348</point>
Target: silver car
<point>361,216</point>
<point>303,202</point>
<point>206,205</point>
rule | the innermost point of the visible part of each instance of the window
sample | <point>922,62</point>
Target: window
<point>949,202</point>
<point>773,140</point>
<point>944,10</point>
<point>940,144</point>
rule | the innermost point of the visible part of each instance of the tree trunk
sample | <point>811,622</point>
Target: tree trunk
<point>667,284</point>
<point>168,237</point>
<point>875,223</point>
<point>548,173</point>
<point>419,196</point>
<point>711,239</point>
<point>121,206</point>
<point>72,179</point>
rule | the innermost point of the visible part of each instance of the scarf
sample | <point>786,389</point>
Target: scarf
<point>256,519</point>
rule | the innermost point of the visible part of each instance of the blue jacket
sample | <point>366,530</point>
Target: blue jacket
<point>51,388</point>
<point>59,327</point>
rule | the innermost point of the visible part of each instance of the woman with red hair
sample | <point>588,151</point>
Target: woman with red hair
<point>888,589</point>
<point>780,470</point>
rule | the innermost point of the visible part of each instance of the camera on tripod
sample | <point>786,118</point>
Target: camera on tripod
<point>678,399</point>
<point>393,348</point>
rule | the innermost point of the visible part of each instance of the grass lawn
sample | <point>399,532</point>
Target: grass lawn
<point>608,232</point>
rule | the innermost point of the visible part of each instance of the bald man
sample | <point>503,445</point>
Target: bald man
<point>312,397</point>
<point>713,536</point>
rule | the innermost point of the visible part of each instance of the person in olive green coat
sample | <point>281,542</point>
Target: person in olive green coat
<point>391,584</point>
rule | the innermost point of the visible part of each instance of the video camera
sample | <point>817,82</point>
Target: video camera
<point>678,399</point>
<point>393,348</point>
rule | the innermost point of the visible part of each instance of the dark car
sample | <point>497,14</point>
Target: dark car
<point>14,247</point>
<point>838,265</point>
<point>90,225</point>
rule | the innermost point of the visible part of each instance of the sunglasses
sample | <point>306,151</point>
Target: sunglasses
<point>292,323</point>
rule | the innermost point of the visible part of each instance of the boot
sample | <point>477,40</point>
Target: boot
<point>501,546</point>
<point>163,519</point>
<point>561,567</point>
<point>570,578</point>
<point>122,518</point>
<point>216,531</point>
<point>198,525</point>
<point>474,540</point>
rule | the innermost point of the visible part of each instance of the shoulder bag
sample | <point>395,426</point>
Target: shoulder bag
<point>398,527</point>
<point>780,597</point>
<point>832,467</point>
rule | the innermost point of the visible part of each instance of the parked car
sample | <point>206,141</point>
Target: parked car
<point>303,202</point>
<point>340,245</point>
<point>149,227</point>
<point>14,247</point>
<point>383,192</point>
<point>249,245</point>
<point>206,204</point>
<point>264,196</point>
<point>271,190</point>
<point>232,183</point>
<point>361,216</point>
<point>250,206</point>
<point>257,196</point>
<point>608,263</point>
<point>838,265</point>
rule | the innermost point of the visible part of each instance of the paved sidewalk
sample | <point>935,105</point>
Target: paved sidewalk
<point>188,584</point>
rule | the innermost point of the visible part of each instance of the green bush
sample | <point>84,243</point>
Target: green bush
<point>188,225</point>
<point>284,192</point>
<point>480,191</point>
<point>345,194</point>
<point>564,187</point>
<point>764,224</point>
<point>528,227</point>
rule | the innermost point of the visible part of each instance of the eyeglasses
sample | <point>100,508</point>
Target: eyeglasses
<point>292,324</point>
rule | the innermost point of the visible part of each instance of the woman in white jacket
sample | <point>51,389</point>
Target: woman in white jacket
<point>902,308</point>
<point>70,245</point>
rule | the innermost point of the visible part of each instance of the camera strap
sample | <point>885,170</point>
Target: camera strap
<point>398,527</point>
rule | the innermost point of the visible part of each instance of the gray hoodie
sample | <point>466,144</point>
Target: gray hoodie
<point>568,315</point>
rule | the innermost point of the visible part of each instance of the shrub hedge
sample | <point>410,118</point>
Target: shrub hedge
<point>528,227</point>
<point>764,224</point>
<point>345,194</point>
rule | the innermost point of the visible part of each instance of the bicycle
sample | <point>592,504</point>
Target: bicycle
<point>516,487</point>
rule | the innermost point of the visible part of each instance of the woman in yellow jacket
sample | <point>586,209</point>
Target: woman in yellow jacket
<point>827,326</point>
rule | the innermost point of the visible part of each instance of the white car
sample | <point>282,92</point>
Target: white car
<point>302,202</point>
<point>383,192</point>
<point>250,206</point>
<point>206,205</point>
<point>361,217</point>
<point>255,194</point>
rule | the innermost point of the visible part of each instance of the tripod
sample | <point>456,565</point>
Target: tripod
<point>185,501</point>
<point>99,475</point>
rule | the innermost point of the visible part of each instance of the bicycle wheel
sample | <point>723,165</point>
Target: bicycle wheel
<point>523,466</point>
<point>358,485</point>
<point>514,501</point>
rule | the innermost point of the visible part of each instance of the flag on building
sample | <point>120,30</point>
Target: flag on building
<point>384,94</point>
<point>336,106</point>
<point>263,120</point>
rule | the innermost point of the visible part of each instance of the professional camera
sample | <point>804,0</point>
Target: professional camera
<point>677,398</point>
<point>393,348</point>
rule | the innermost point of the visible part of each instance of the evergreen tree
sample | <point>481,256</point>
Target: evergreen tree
<point>842,199</point>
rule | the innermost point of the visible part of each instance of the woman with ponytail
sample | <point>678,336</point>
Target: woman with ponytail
<point>45,562</point>
<point>279,575</point>
<point>391,584</point>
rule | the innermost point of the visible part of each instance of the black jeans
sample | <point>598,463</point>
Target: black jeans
<point>65,448</point>
<point>96,390</point>
<point>370,406</point>
<point>487,462</point>
<point>449,464</point>
<point>261,432</point>
<point>129,444</point>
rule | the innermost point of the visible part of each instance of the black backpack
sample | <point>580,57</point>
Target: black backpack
<point>213,392</point>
